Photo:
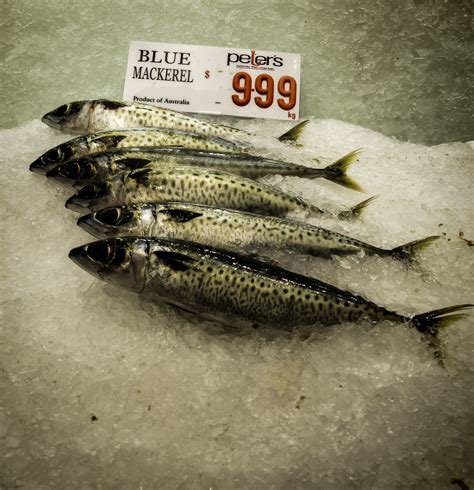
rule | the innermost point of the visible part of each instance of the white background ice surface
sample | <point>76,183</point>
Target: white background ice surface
<point>102,390</point>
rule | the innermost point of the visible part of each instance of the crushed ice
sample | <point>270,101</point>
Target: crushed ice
<point>101,389</point>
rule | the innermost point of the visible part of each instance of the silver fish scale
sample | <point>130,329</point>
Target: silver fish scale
<point>233,290</point>
<point>135,115</point>
<point>207,187</point>
<point>228,287</point>
<point>98,142</point>
<point>109,162</point>
<point>224,228</point>
<point>176,138</point>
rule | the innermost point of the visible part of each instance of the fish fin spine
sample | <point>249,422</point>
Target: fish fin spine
<point>294,133</point>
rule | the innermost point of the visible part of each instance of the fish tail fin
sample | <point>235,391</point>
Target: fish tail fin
<point>294,133</point>
<point>356,210</point>
<point>336,172</point>
<point>410,249</point>
<point>431,322</point>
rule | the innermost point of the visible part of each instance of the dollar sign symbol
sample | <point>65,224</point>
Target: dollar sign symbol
<point>206,74</point>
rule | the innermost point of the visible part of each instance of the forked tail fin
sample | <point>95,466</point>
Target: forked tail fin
<point>431,322</point>
<point>356,210</point>
<point>294,133</point>
<point>336,172</point>
<point>410,249</point>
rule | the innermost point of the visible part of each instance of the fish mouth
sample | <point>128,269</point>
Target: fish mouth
<point>51,120</point>
<point>78,204</point>
<point>79,256</point>
<point>51,159</point>
<point>39,166</point>
<point>85,200</point>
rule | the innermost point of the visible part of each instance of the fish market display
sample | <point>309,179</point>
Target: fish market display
<point>105,140</point>
<point>87,359</point>
<point>230,229</point>
<point>231,288</point>
<point>99,166</point>
<point>89,116</point>
<point>193,184</point>
<point>178,210</point>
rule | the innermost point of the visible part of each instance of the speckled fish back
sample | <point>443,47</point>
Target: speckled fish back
<point>162,137</point>
<point>220,283</point>
<point>110,115</point>
<point>210,187</point>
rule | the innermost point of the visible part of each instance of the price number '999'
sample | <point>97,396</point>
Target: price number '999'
<point>265,87</point>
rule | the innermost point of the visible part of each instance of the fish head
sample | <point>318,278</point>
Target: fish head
<point>52,158</point>
<point>113,221</point>
<point>79,171</point>
<point>92,196</point>
<point>73,116</point>
<point>119,261</point>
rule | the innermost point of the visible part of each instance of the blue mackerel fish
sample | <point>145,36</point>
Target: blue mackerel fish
<point>89,116</point>
<point>233,230</point>
<point>142,181</point>
<point>236,289</point>
<point>107,125</point>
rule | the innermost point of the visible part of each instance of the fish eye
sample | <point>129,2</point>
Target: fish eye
<point>59,154</point>
<point>66,153</point>
<point>61,110</point>
<point>100,252</point>
<point>89,170</point>
<point>114,216</point>
<point>107,253</point>
<point>93,191</point>
<point>71,170</point>
<point>73,108</point>
<point>120,256</point>
<point>108,216</point>
<point>54,155</point>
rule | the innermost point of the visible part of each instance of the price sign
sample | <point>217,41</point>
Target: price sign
<point>264,85</point>
<point>213,80</point>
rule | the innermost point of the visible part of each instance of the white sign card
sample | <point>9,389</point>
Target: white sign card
<point>213,80</point>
